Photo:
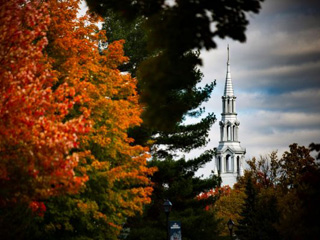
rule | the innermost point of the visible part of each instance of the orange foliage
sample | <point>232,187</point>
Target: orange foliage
<point>228,205</point>
<point>61,98</point>
<point>109,99</point>
<point>218,191</point>
<point>35,137</point>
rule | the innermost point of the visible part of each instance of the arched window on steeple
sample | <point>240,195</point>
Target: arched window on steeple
<point>238,165</point>
<point>228,106</point>
<point>232,105</point>
<point>228,163</point>
<point>229,133</point>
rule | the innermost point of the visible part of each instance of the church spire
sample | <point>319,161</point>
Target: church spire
<point>228,89</point>
<point>229,154</point>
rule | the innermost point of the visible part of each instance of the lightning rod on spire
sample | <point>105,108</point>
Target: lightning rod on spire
<point>228,53</point>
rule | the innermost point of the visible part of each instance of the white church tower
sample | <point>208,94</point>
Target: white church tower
<point>230,154</point>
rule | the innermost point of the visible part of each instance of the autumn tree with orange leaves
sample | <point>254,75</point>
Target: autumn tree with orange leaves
<point>66,109</point>
<point>35,136</point>
<point>227,206</point>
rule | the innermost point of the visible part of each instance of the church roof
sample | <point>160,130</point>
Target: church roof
<point>228,89</point>
<point>234,148</point>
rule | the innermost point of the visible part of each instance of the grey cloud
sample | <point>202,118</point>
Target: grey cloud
<point>263,132</point>
<point>282,121</point>
<point>306,101</point>
<point>281,78</point>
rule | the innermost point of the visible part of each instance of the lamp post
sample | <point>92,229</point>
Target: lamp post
<point>230,227</point>
<point>167,205</point>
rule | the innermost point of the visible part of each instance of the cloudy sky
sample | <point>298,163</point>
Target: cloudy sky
<point>276,78</point>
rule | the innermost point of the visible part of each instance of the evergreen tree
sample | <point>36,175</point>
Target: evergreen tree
<point>166,102</point>
<point>135,46</point>
<point>267,215</point>
<point>247,228</point>
<point>260,212</point>
<point>174,29</point>
<point>175,180</point>
<point>186,98</point>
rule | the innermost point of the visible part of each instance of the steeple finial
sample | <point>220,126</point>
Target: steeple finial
<point>228,89</point>
<point>228,54</point>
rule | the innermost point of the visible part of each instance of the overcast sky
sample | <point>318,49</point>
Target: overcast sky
<point>276,78</point>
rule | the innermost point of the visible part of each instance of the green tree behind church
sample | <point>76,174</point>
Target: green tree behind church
<point>175,178</point>
<point>176,181</point>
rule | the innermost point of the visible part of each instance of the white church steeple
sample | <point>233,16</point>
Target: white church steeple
<point>230,154</point>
